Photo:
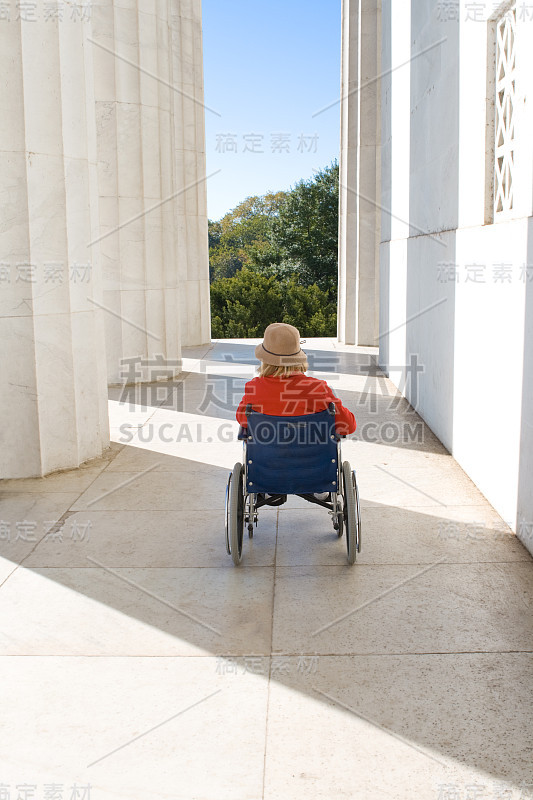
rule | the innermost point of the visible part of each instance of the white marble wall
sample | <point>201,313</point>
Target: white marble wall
<point>53,402</point>
<point>151,178</point>
<point>359,213</point>
<point>472,337</point>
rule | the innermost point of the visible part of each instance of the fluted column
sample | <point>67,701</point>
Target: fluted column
<point>53,396</point>
<point>359,211</point>
<point>189,155</point>
<point>153,208</point>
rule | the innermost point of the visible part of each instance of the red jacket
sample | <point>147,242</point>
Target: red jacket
<point>291,397</point>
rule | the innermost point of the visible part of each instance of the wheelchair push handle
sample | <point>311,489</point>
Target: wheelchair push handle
<point>331,409</point>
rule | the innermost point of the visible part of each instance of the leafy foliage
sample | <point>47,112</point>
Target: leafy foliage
<point>274,258</point>
<point>306,229</point>
<point>235,238</point>
<point>243,306</point>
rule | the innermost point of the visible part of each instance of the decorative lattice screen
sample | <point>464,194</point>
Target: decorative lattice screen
<point>504,112</point>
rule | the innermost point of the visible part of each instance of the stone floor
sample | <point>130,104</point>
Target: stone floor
<point>138,661</point>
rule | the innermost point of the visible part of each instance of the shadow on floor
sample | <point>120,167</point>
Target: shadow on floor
<point>427,638</point>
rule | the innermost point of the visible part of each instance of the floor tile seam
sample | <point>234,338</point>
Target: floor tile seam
<point>29,491</point>
<point>274,567</point>
<point>358,565</point>
<point>215,655</point>
<point>269,681</point>
<point>210,346</point>
<point>176,381</point>
<point>284,510</point>
<point>402,507</point>
<point>64,516</point>
<point>270,656</point>
<point>149,511</point>
<point>168,509</point>
<point>15,568</point>
<point>221,566</point>
<point>177,472</point>
<point>93,481</point>
<point>60,522</point>
<point>380,508</point>
<point>155,409</point>
<point>443,564</point>
<point>403,564</point>
<point>136,655</point>
<point>174,472</point>
<point>169,471</point>
<point>133,432</point>
<point>110,564</point>
<point>265,743</point>
<point>486,505</point>
<point>381,654</point>
<point>224,566</point>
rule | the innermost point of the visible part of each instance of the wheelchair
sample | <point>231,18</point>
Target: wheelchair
<point>291,455</point>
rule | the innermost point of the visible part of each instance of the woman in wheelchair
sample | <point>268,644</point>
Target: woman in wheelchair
<point>283,389</point>
<point>291,424</point>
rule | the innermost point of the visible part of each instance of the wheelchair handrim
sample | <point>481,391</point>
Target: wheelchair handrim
<point>226,516</point>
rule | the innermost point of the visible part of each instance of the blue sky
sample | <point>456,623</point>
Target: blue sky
<point>268,67</point>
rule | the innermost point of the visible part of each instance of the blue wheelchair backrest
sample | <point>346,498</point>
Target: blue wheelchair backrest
<point>291,455</point>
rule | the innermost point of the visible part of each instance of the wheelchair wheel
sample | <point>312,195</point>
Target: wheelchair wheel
<point>235,513</point>
<point>350,514</point>
<point>357,511</point>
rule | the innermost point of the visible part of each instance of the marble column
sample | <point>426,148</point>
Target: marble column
<point>359,212</point>
<point>53,395</point>
<point>189,157</point>
<point>151,179</point>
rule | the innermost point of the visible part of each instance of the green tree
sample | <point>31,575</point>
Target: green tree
<point>305,231</point>
<point>292,233</point>
<point>241,233</point>
<point>310,309</point>
<point>274,258</point>
<point>243,306</point>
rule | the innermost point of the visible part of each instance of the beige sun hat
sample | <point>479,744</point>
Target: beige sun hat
<point>281,346</point>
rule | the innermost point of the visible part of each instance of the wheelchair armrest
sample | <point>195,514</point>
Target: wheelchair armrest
<point>243,433</point>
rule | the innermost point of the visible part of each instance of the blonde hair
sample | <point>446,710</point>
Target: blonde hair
<point>271,371</point>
